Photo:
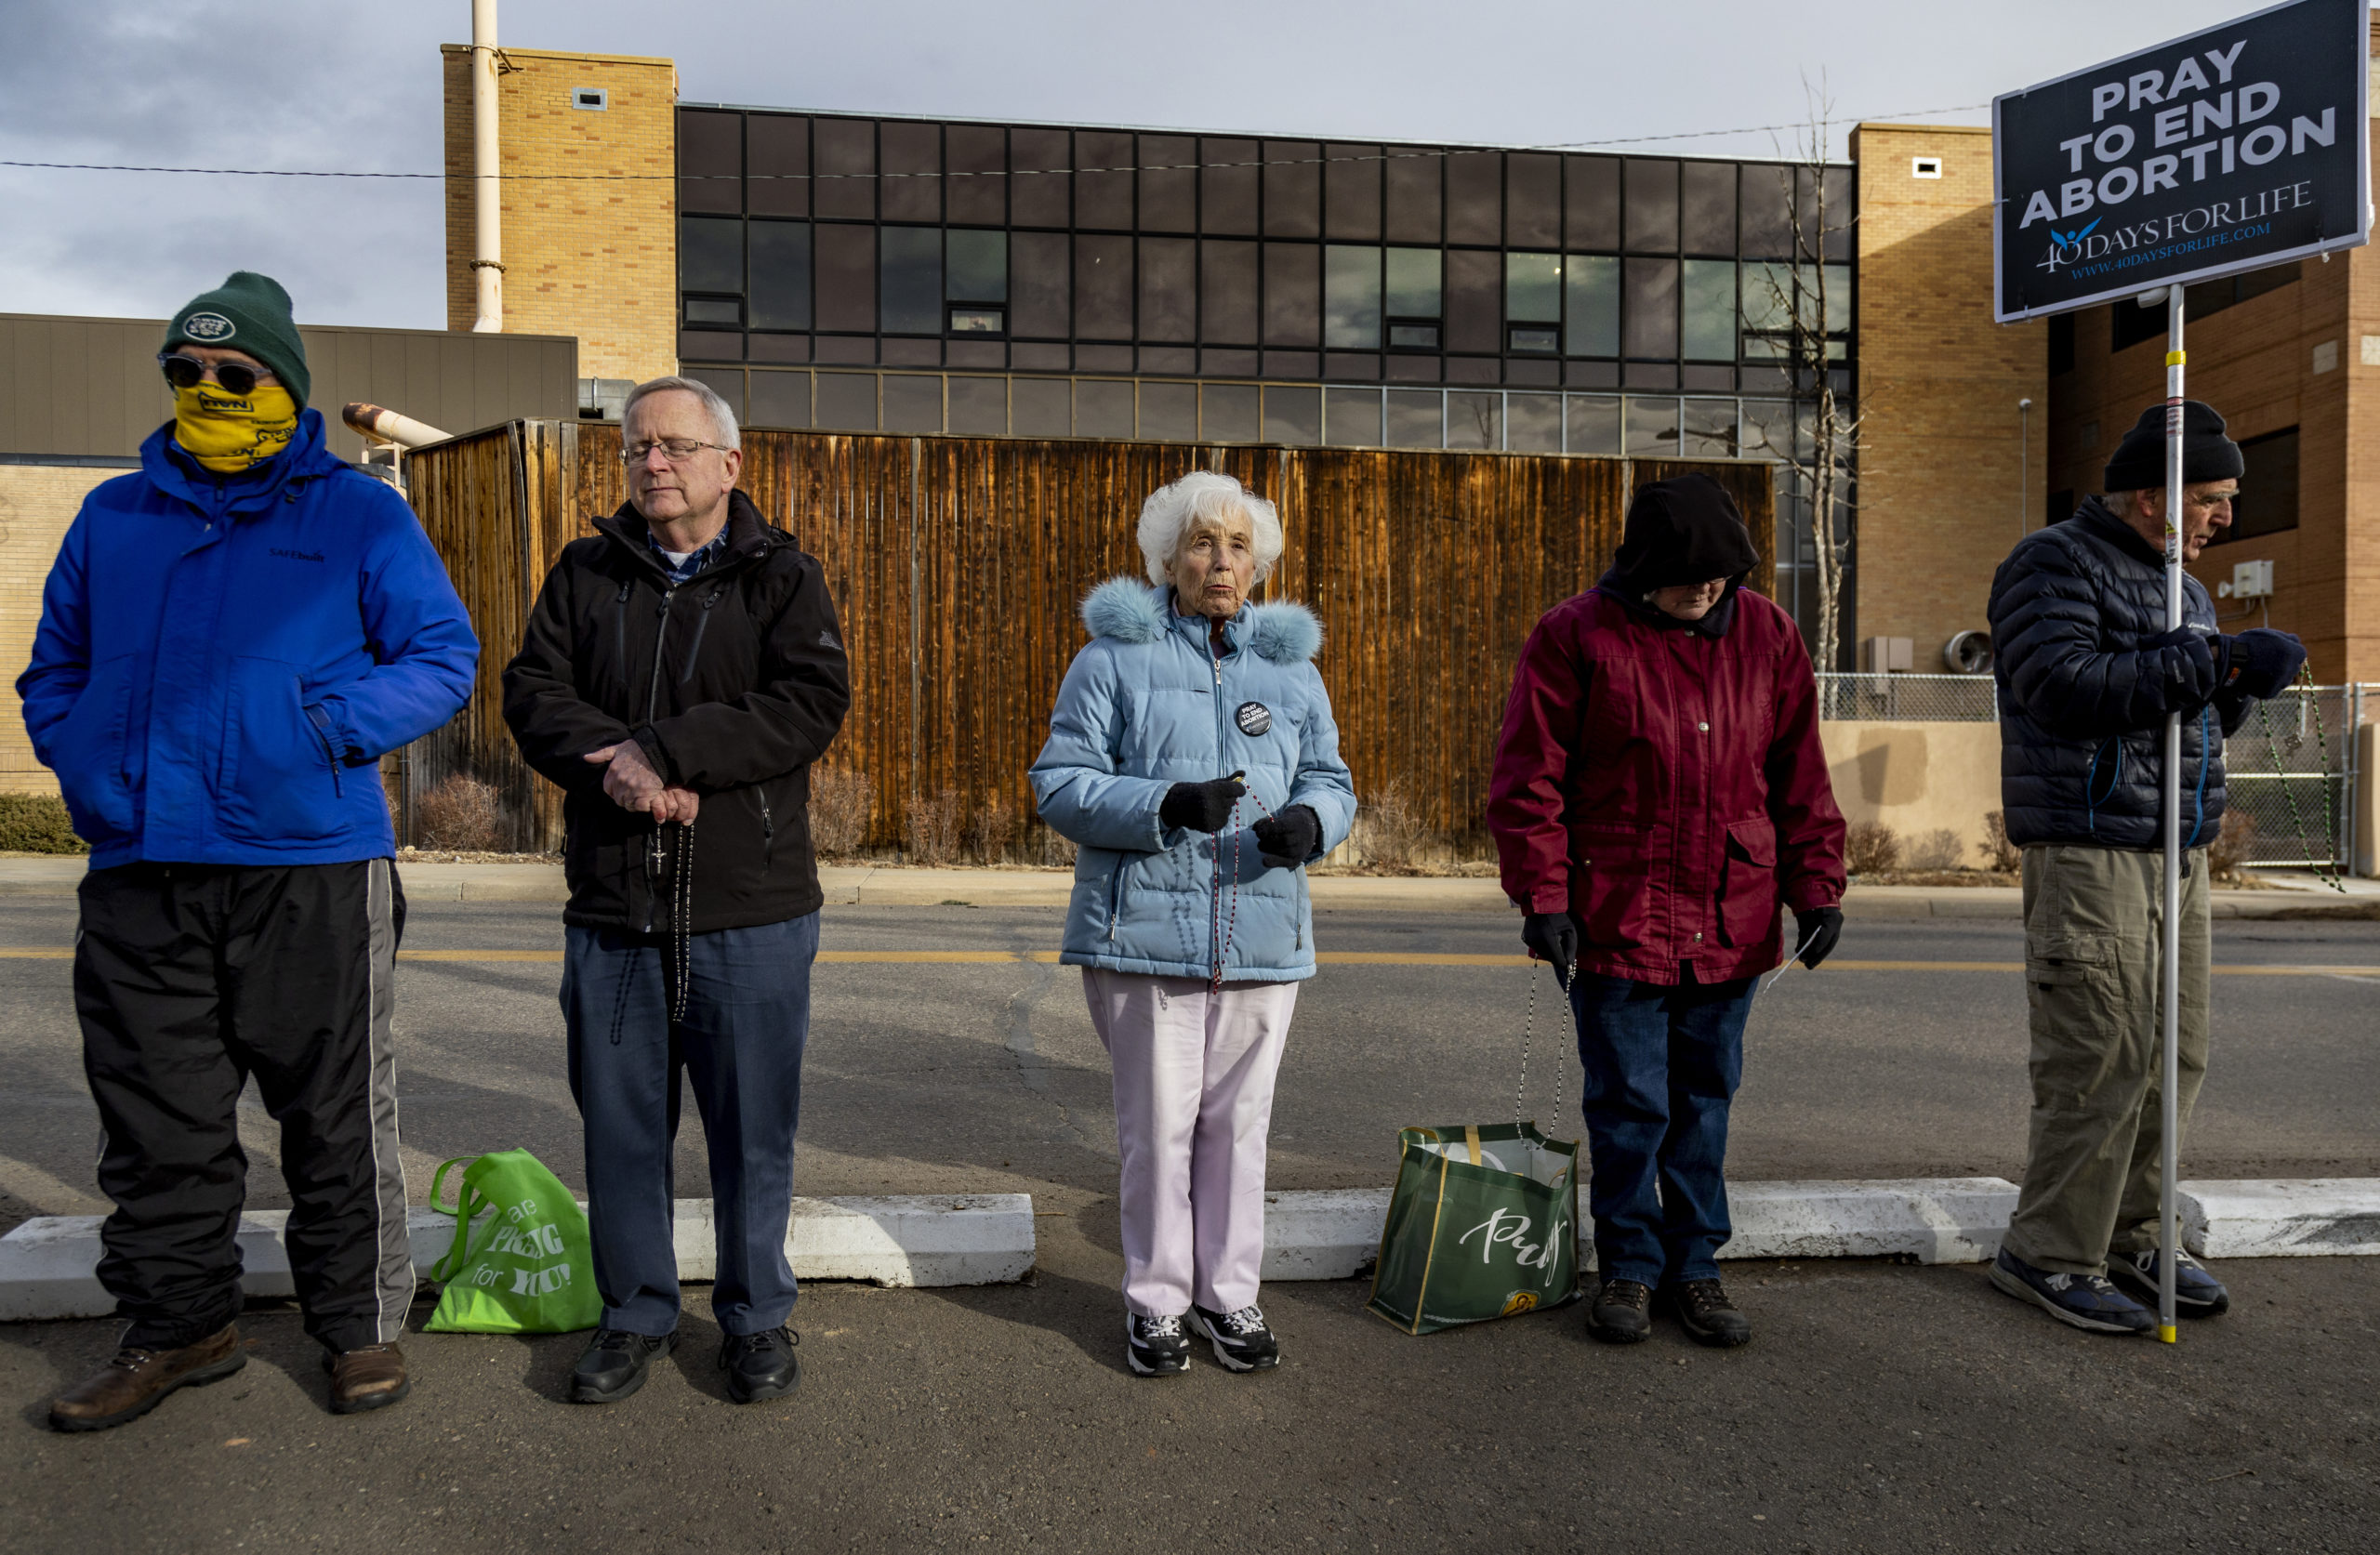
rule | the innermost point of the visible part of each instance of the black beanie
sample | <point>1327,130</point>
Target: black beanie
<point>2207,455</point>
<point>248,313</point>
<point>1680,531</point>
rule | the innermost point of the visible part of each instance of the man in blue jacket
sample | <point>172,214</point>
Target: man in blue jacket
<point>230,641</point>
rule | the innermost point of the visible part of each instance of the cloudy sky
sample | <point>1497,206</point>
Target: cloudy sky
<point>343,86</point>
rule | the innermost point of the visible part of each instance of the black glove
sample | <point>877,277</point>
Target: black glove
<point>1202,807</point>
<point>1819,929</point>
<point>2263,662</point>
<point>1287,840</point>
<point>2197,675</point>
<point>1552,937</point>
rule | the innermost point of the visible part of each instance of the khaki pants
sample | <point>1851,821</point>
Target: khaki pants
<point>2094,939</point>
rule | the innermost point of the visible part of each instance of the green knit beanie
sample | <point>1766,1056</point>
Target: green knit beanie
<point>248,313</point>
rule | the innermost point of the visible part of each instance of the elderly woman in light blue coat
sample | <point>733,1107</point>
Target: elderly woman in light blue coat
<point>1193,758</point>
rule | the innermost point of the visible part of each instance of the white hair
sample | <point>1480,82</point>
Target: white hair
<point>1198,499</point>
<point>722,418</point>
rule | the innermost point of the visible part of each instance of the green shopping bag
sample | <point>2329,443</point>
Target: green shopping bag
<point>526,1268</point>
<point>1483,1223</point>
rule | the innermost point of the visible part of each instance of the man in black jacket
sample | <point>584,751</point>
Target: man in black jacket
<point>2087,673</point>
<point>684,661</point>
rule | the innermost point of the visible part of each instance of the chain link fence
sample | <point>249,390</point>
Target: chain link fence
<point>2289,773</point>
<point>1909,698</point>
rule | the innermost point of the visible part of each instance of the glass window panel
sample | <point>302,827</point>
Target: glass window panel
<point>1041,408</point>
<point>1292,415</point>
<point>1292,189</point>
<point>974,191</point>
<point>1838,299</point>
<point>1532,201</point>
<point>1414,338</point>
<point>1416,283</point>
<point>1351,299</point>
<point>777,183</point>
<point>1652,429</point>
<point>978,406</point>
<point>1592,218</point>
<point>1710,305</point>
<point>910,291</point>
<point>977,319</point>
<point>715,310</point>
<point>1350,192</point>
<point>845,150</point>
<point>1533,288</point>
<point>1227,187</point>
<point>847,277</point>
<point>1652,208</point>
<point>1474,420</point>
<point>1351,417</point>
<point>1292,294</point>
<point>1533,423</point>
<point>912,171</point>
<point>780,275</point>
<point>780,400</point>
<point>1169,289</point>
<point>1707,207</point>
<point>1416,419</point>
<point>1594,424</point>
<point>1233,413</point>
<point>1769,430</point>
<point>1709,431</point>
<point>1104,193</point>
<point>710,161</point>
<point>1412,179</point>
<point>1103,288</point>
<point>728,382</point>
<point>912,403</point>
<point>1168,184</point>
<point>1103,407</point>
<point>977,267</point>
<point>1475,197</point>
<point>1840,206</point>
<point>1474,309</point>
<point>847,402</point>
<point>1227,293</point>
<point>1767,215</point>
<point>1042,294</point>
<point>1651,307</point>
<point>1170,412</point>
<point>710,254</point>
<point>1037,160</point>
<point>1592,283</point>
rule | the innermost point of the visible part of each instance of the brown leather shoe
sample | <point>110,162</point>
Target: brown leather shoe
<point>137,1380</point>
<point>372,1376</point>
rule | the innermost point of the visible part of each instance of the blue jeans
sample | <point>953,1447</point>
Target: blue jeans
<point>1661,1065</point>
<point>747,1020</point>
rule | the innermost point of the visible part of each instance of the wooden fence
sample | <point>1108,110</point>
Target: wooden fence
<point>958,564</point>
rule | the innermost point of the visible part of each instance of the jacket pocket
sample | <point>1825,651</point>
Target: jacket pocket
<point>1748,883</point>
<point>1608,894</point>
<point>89,753</point>
<point>276,782</point>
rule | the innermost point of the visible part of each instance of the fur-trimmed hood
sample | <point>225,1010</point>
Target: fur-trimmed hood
<point>1131,611</point>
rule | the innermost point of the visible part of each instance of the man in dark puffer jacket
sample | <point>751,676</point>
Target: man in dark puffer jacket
<point>2087,673</point>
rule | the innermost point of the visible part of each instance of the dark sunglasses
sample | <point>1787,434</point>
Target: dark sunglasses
<point>188,372</point>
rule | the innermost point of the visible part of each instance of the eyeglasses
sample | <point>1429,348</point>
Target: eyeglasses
<point>674,450</point>
<point>188,372</point>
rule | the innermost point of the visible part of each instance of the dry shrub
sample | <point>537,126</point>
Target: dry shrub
<point>37,823</point>
<point>1389,831</point>
<point>934,829</point>
<point>1045,847</point>
<point>461,815</point>
<point>840,807</point>
<point>2228,851</point>
<point>989,829</point>
<point>1937,849</point>
<point>1998,851</point>
<point>1871,848</point>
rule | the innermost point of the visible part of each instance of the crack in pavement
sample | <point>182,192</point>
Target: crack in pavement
<point>1032,1069</point>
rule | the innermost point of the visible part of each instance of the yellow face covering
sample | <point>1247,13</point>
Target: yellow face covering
<point>227,432</point>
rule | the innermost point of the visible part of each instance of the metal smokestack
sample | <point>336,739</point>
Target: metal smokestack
<point>488,264</point>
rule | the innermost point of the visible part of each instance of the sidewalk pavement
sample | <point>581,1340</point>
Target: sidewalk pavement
<point>890,885</point>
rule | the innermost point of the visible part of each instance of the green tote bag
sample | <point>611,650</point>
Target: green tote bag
<point>1483,1223</point>
<point>525,1267</point>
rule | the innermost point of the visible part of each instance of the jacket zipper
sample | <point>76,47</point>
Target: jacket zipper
<point>702,622</point>
<point>768,837</point>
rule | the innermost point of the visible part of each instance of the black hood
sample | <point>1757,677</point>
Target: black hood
<point>1680,530</point>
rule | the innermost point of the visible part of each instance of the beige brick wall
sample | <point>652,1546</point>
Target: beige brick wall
<point>1941,490</point>
<point>594,255</point>
<point>37,502</point>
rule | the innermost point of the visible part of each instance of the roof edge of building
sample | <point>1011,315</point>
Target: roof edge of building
<point>510,51</point>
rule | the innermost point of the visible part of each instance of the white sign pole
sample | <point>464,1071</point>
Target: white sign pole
<point>2170,978</point>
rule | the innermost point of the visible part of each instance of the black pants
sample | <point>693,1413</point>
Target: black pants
<point>190,979</point>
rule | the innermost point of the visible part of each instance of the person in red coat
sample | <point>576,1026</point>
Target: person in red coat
<point>1659,790</point>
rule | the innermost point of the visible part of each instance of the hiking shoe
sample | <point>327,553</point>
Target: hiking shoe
<point>1704,1311</point>
<point>1621,1312</point>
<point>2196,1292</point>
<point>1242,1341</point>
<point>613,1364</point>
<point>2085,1301</point>
<point>760,1365</point>
<point>136,1380</point>
<point>1155,1346</point>
<point>369,1377</point>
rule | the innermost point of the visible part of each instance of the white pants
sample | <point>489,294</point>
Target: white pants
<point>1194,1103</point>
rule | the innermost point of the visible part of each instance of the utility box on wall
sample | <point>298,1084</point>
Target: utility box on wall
<point>1880,655</point>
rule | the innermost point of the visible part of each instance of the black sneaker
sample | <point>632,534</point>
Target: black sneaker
<point>1155,1346</point>
<point>1242,1341</point>
<point>2196,1292</point>
<point>615,1364</point>
<point>2084,1301</point>
<point>760,1365</point>
<point>1621,1312</point>
<point>1704,1311</point>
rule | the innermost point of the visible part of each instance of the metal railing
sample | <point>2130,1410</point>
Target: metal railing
<point>1909,698</point>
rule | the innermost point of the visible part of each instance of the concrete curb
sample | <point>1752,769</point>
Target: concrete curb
<point>2309,1217</point>
<point>46,1264</point>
